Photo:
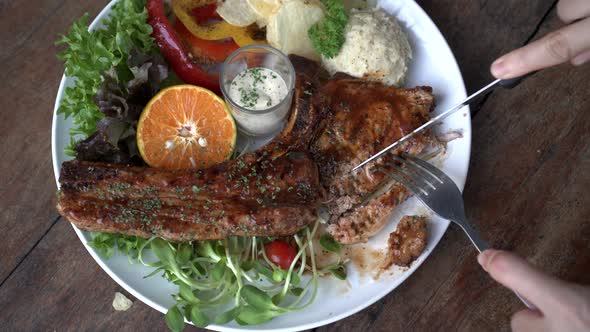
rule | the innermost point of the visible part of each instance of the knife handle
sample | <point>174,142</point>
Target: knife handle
<point>512,82</point>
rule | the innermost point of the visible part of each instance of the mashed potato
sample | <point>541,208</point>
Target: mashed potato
<point>375,48</point>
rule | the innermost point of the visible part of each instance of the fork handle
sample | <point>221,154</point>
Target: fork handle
<point>472,234</point>
<point>482,245</point>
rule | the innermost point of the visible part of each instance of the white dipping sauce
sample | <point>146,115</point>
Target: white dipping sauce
<point>258,89</point>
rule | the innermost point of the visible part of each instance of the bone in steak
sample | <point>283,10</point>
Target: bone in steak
<point>364,118</point>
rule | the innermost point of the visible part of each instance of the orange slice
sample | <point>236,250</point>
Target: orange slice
<point>185,126</point>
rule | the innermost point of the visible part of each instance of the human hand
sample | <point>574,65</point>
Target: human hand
<point>561,306</point>
<point>570,43</point>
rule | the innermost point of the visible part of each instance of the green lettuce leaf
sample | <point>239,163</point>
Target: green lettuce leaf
<point>90,54</point>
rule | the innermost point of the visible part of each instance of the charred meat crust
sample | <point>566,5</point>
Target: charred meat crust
<point>306,113</point>
<point>363,118</point>
<point>270,198</point>
<point>361,222</point>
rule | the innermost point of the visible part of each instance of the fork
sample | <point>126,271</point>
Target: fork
<point>439,193</point>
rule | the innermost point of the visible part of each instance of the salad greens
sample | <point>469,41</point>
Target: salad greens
<point>328,242</point>
<point>327,36</point>
<point>235,273</point>
<point>115,139</point>
<point>89,54</point>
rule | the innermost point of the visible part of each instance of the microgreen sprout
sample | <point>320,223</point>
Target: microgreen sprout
<point>235,271</point>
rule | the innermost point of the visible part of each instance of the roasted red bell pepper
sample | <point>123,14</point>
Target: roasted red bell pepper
<point>174,50</point>
<point>205,13</point>
<point>211,50</point>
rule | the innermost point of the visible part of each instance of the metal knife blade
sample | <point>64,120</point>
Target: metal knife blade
<point>509,83</point>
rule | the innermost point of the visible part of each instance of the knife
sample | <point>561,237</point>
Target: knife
<point>508,83</point>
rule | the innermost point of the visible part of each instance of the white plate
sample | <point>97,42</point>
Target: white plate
<point>433,65</point>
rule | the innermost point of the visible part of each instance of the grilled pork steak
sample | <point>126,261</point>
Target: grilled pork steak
<point>364,118</point>
<point>340,123</point>
<point>246,197</point>
<point>270,192</point>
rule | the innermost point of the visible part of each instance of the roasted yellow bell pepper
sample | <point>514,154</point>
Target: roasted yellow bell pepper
<point>215,31</point>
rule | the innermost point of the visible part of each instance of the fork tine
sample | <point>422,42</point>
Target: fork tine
<point>423,174</point>
<point>433,171</point>
<point>413,188</point>
<point>419,180</point>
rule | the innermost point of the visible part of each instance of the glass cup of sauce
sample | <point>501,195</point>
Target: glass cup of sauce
<point>257,82</point>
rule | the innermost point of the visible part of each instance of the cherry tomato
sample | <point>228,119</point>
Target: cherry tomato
<point>281,253</point>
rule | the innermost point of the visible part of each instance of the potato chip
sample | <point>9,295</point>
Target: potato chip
<point>264,8</point>
<point>287,28</point>
<point>237,12</point>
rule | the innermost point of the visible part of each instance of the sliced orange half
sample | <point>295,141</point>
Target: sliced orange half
<point>185,126</point>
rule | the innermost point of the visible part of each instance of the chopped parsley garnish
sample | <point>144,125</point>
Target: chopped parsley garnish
<point>256,75</point>
<point>248,98</point>
<point>327,36</point>
<point>152,204</point>
<point>149,190</point>
<point>118,186</point>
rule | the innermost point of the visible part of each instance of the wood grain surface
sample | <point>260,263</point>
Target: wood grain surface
<point>526,191</point>
<point>60,287</point>
<point>28,84</point>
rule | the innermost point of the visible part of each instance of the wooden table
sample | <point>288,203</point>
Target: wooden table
<point>528,185</point>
